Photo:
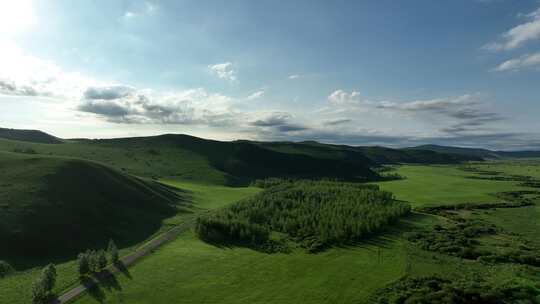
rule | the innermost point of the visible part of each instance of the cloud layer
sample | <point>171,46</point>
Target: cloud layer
<point>518,35</point>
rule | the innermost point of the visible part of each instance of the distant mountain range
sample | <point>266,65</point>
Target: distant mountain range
<point>238,162</point>
<point>482,153</point>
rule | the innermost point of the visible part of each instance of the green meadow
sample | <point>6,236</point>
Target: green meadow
<point>188,270</point>
<point>440,185</point>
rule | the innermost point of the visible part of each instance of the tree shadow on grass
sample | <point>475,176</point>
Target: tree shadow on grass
<point>123,269</point>
<point>93,288</point>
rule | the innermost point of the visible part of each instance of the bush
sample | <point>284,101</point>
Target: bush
<point>5,269</point>
<point>434,289</point>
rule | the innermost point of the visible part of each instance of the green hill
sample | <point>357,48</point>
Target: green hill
<point>369,155</point>
<point>53,206</point>
<point>480,153</point>
<point>29,135</point>
<point>185,157</point>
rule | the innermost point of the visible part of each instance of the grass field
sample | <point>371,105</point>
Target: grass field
<point>439,185</point>
<point>191,271</point>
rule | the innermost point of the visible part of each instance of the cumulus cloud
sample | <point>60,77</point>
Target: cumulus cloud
<point>524,62</point>
<point>224,71</point>
<point>277,121</point>
<point>341,97</point>
<point>518,35</point>
<point>108,92</point>
<point>122,104</point>
<point>256,95</point>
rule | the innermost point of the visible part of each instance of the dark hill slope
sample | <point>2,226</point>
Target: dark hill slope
<point>243,161</point>
<point>52,206</point>
<point>481,153</point>
<point>29,136</point>
<point>368,155</point>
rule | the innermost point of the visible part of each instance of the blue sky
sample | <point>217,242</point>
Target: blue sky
<point>393,73</point>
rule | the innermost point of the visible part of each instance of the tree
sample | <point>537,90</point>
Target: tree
<point>113,252</point>
<point>84,263</point>
<point>39,294</point>
<point>101,260</point>
<point>92,261</point>
<point>48,276</point>
<point>43,286</point>
<point>5,269</point>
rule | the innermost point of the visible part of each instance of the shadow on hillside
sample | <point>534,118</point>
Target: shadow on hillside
<point>70,217</point>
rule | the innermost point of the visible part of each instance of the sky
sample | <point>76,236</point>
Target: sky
<point>391,73</point>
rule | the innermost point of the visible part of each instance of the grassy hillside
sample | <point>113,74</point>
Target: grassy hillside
<point>55,206</point>
<point>189,158</point>
<point>29,136</point>
<point>368,155</point>
<point>481,153</point>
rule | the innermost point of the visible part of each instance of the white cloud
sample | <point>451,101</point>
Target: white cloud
<point>524,62</point>
<point>23,74</point>
<point>256,95</point>
<point>295,76</point>
<point>147,8</point>
<point>224,71</point>
<point>518,35</point>
<point>340,97</point>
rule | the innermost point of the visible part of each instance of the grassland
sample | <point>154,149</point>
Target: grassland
<point>191,271</point>
<point>439,185</point>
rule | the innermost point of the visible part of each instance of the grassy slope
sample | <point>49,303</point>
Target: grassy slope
<point>15,288</point>
<point>187,158</point>
<point>55,206</point>
<point>29,135</point>
<point>436,185</point>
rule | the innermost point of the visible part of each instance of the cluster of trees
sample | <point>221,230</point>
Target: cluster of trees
<point>42,288</point>
<point>457,239</point>
<point>5,269</point>
<point>317,214</point>
<point>437,290</point>
<point>94,261</point>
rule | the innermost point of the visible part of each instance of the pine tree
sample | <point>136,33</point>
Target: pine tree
<point>101,260</point>
<point>39,294</point>
<point>113,252</point>
<point>84,264</point>
<point>48,276</point>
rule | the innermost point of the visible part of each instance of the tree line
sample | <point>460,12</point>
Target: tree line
<point>316,214</point>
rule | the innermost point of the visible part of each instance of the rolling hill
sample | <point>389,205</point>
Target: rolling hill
<point>183,157</point>
<point>481,153</point>
<point>52,206</point>
<point>35,136</point>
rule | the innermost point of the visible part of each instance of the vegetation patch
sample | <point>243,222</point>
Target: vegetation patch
<point>470,290</point>
<point>314,214</point>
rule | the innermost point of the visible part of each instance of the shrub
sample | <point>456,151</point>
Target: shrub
<point>5,269</point>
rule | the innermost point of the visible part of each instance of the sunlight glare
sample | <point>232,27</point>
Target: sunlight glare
<point>16,15</point>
